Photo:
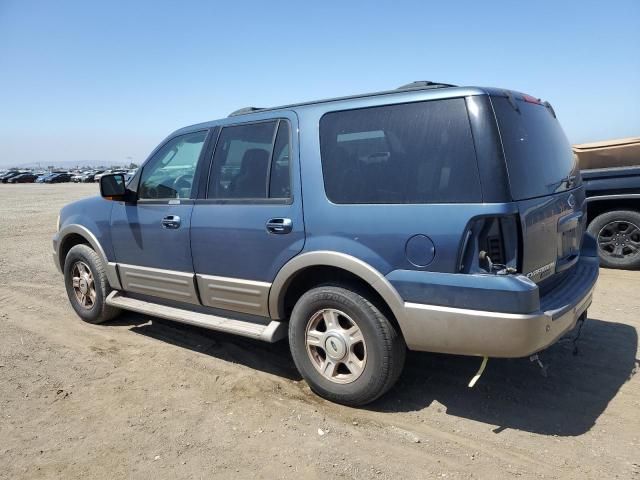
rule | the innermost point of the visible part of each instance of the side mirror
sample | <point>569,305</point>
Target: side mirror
<point>113,187</point>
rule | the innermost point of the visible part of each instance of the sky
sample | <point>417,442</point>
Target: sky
<point>106,81</point>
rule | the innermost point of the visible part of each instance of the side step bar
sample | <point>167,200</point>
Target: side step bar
<point>270,332</point>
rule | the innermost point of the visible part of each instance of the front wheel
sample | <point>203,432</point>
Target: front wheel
<point>618,236</point>
<point>87,285</point>
<point>344,346</point>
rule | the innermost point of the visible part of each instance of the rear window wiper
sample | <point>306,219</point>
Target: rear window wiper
<point>569,181</point>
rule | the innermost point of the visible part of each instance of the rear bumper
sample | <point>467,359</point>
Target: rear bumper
<point>464,331</point>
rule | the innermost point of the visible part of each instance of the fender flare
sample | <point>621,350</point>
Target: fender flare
<point>110,267</point>
<point>339,260</point>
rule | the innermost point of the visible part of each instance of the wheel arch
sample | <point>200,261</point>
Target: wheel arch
<point>328,261</point>
<point>74,234</point>
<point>598,205</point>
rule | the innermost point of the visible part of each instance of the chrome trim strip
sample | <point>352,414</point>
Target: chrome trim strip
<point>247,296</point>
<point>619,196</point>
<point>467,311</point>
<point>162,283</point>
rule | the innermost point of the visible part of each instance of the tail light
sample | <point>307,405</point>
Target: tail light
<point>490,245</point>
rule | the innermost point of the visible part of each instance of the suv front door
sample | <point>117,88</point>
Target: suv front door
<point>151,237</point>
<point>249,221</point>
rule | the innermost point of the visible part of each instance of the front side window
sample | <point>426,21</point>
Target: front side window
<point>409,153</point>
<point>251,162</point>
<point>169,174</point>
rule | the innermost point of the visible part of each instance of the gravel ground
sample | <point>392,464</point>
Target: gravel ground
<point>145,398</point>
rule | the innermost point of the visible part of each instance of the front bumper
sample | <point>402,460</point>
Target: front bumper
<point>463,331</point>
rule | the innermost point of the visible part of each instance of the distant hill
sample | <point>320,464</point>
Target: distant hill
<point>66,165</point>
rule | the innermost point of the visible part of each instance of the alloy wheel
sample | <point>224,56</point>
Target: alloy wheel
<point>84,285</point>
<point>619,239</point>
<point>335,346</point>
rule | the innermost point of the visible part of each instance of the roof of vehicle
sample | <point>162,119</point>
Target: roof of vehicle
<point>413,86</point>
<point>413,92</point>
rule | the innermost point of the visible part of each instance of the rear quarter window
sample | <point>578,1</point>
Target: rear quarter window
<point>419,152</point>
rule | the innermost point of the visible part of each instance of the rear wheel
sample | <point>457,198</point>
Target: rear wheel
<point>618,236</point>
<point>344,347</point>
<point>87,285</point>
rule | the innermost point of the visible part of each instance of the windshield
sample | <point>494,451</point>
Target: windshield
<point>538,155</point>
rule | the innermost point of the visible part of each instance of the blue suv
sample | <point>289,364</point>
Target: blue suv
<point>432,217</point>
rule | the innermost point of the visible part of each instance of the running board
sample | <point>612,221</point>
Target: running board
<point>271,332</point>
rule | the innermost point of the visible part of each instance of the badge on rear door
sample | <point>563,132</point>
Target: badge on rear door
<point>541,272</point>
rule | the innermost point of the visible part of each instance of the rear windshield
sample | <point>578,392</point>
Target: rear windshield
<point>538,154</point>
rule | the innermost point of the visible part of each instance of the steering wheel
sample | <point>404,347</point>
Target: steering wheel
<point>183,181</point>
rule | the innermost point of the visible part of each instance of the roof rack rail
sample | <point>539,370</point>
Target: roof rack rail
<point>244,110</point>
<point>424,84</point>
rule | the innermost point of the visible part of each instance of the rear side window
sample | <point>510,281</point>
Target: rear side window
<point>251,162</point>
<point>279,181</point>
<point>538,155</point>
<point>410,153</point>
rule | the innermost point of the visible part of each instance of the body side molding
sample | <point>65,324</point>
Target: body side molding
<point>246,296</point>
<point>156,282</point>
<point>339,260</point>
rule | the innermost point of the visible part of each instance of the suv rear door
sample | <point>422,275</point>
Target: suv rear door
<point>545,183</point>
<point>248,222</point>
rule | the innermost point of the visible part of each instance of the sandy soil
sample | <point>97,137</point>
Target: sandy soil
<point>144,398</point>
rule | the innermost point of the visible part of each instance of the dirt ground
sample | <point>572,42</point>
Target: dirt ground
<point>145,398</point>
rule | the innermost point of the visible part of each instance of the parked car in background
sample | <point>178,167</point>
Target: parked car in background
<point>416,221</point>
<point>43,177</point>
<point>58,178</point>
<point>130,174</point>
<point>611,175</point>
<point>13,173</point>
<point>23,178</point>
<point>97,177</point>
<point>90,176</point>
<point>110,172</point>
<point>77,177</point>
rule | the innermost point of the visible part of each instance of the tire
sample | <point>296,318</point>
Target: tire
<point>618,237</point>
<point>367,368</point>
<point>80,260</point>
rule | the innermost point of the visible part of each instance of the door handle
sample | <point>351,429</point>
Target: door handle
<point>171,221</point>
<point>279,225</point>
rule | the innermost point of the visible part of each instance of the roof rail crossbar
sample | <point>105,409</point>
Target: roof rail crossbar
<point>421,84</point>
<point>245,110</point>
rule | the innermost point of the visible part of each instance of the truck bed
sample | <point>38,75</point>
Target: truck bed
<point>611,181</point>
